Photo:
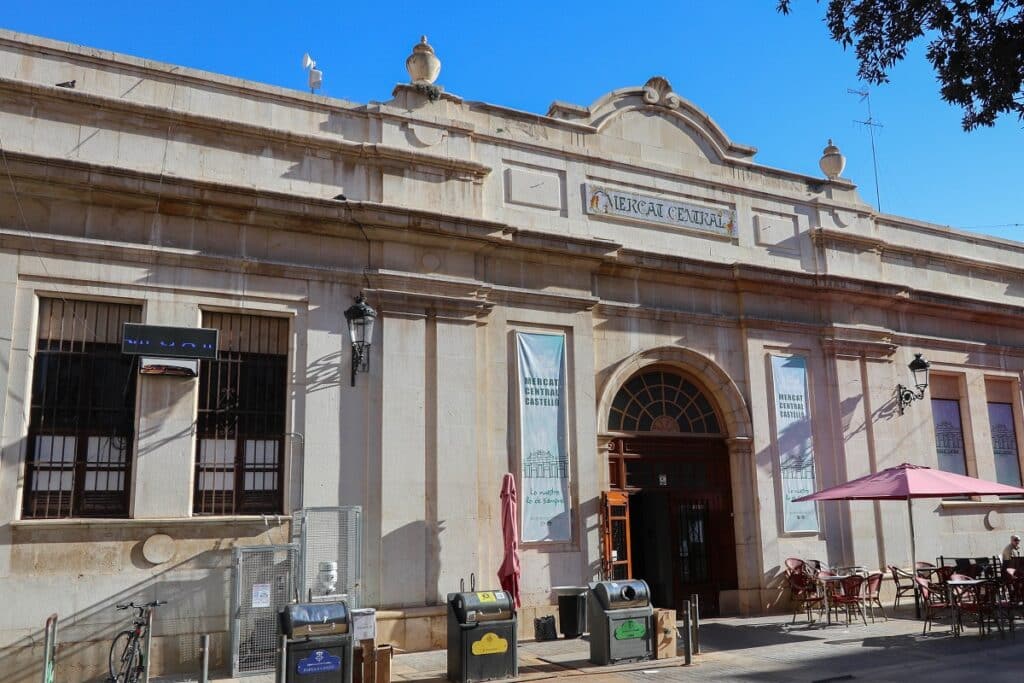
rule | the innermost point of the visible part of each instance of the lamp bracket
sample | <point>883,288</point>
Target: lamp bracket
<point>360,360</point>
<point>905,396</point>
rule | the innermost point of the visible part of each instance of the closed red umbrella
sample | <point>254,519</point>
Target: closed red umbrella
<point>508,573</point>
<point>906,482</point>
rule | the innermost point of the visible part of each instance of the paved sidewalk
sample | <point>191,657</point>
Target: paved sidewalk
<point>770,649</point>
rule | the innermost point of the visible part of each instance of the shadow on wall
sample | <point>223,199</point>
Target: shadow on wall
<point>776,590</point>
<point>196,588</point>
<point>324,372</point>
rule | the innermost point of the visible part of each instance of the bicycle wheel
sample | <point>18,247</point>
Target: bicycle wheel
<point>124,658</point>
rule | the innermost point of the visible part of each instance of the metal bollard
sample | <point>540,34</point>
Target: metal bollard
<point>204,647</point>
<point>50,649</point>
<point>687,653</point>
<point>695,606</point>
<point>148,646</point>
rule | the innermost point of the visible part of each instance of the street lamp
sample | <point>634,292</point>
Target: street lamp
<point>905,395</point>
<point>360,319</point>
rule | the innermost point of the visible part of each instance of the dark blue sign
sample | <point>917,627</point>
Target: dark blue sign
<point>169,342</point>
<point>318,662</point>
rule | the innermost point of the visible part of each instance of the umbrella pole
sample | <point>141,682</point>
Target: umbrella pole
<point>913,559</point>
<point>913,550</point>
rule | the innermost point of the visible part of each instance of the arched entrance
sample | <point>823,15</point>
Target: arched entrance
<point>669,509</point>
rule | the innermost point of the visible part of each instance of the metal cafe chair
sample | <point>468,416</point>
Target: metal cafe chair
<point>850,596</point>
<point>804,594</point>
<point>980,600</point>
<point>794,565</point>
<point>935,604</point>
<point>872,588</point>
<point>904,581</point>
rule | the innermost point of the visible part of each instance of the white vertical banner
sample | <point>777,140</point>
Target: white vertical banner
<point>796,447</point>
<point>1004,443</point>
<point>542,437</point>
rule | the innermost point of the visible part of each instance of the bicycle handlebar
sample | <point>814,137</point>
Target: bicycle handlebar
<point>155,603</point>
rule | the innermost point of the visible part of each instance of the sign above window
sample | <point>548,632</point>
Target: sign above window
<point>607,202</point>
<point>169,342</point>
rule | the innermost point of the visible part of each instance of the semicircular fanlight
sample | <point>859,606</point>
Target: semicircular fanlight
<point>659,401</point>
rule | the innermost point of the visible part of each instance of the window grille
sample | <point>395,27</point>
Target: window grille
<point>662,402</point>
<point>241,421</point>
<point>82,415</point>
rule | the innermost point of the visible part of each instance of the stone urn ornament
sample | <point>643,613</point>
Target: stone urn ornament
<point>423,65</point>
<point>832,161</point>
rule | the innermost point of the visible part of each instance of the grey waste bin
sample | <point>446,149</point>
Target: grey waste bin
<point>481,636</point>
<point>621,621</point>
<point>317,643</point>
<point>572,610</point>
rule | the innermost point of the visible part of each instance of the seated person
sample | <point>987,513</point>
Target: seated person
<point>1013,549</point>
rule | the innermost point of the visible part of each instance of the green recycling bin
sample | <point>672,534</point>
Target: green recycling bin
<point>621,621</point>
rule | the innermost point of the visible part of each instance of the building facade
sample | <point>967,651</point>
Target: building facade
<point>665,341</point>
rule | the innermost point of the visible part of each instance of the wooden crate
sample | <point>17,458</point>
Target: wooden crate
<point>664,633</point>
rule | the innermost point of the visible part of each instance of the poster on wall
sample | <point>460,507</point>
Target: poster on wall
<point>949,436</point>
<point>1004,443</point>
<point>542,437</point>
<point>796,447</point>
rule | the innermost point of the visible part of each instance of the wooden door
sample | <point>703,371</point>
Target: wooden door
<point>704,555</point>
<point>689,481</point>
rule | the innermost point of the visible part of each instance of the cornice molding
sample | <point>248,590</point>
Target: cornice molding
<point>105,185</point>
<point>822,237</point>
<point>372,153</point>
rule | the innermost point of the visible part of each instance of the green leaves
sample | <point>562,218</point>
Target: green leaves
<point>976,48</point>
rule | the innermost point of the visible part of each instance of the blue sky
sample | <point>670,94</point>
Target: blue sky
<point>775,82</point>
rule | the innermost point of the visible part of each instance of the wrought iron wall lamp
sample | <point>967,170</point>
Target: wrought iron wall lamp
<point>905,395</point>
<point>360,319</point>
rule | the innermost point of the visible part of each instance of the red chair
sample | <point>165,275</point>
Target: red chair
<point>794,565</point>
<point>982,601</point>
<point>904,581</point>
<point>943,574</point>
<point>934,603</point>
<point>1011,600</point>
<point>871,594</point>
<point>850,597</point>
<point>803,592</point>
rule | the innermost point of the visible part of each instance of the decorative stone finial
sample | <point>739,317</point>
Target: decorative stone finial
<point>832,161</point>
<point>658,90</point>
<point>423,65</point>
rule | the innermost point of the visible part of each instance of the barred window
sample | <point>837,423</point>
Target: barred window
<point>241,421</point>
<point>82,415</point>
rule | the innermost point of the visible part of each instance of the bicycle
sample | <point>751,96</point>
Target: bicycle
<point>127,660</point>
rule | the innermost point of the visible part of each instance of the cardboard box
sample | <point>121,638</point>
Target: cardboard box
<point>665,633</point>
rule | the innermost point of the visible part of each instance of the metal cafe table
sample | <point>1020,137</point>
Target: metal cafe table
<point>824,582</point>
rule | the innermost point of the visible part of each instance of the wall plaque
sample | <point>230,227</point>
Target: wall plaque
<point>601,201</point>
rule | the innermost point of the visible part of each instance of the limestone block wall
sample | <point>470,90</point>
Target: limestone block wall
<point>81,570</point>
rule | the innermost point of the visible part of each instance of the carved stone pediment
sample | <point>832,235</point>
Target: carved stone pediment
<point>685,126</point>
<point>658,91</point>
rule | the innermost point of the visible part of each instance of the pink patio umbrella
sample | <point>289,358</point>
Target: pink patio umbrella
<point>906,482</point>
<point>508,573</point>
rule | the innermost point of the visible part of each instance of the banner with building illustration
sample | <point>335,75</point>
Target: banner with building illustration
<point>1004,443</point>
<point>543,437</point>
<point>795,443</point>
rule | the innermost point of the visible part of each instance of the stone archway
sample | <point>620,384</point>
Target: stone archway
<point>737,430</point>
<point>726,394</point>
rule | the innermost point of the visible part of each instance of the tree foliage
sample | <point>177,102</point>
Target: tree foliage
<point>977,48</point>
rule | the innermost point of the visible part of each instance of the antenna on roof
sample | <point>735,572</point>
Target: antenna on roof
<point>316,77</point>
<point>871,124</point>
